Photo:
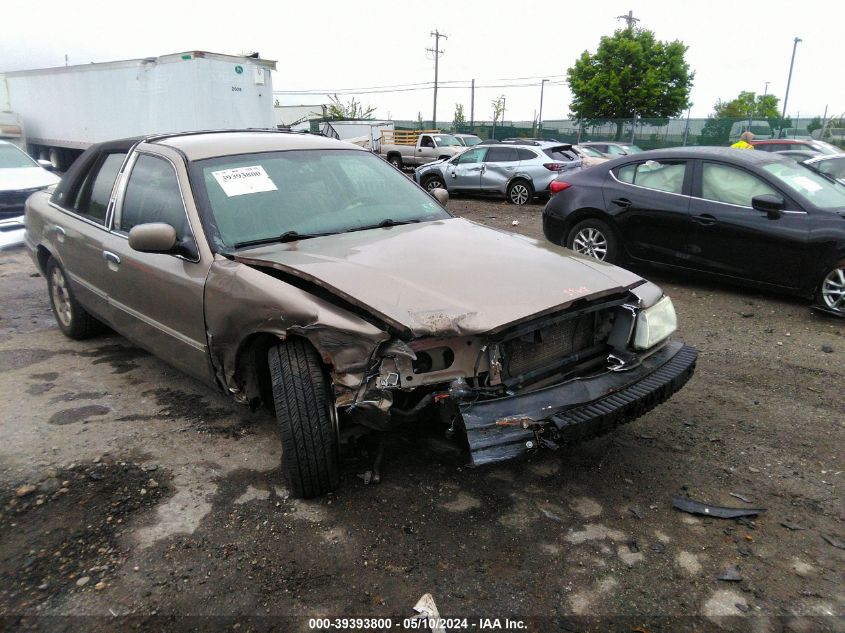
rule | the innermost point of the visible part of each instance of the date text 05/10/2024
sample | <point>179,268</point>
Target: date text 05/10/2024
<point>416,624</point>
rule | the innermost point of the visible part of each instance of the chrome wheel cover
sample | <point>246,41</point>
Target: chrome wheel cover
<point>591,242</point>
<point>433,184</point>
<point>833,290</point>
<point>519,194</point>
<point>61,297</point>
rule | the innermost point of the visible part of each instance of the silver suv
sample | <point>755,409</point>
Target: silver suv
<point>517,171</point>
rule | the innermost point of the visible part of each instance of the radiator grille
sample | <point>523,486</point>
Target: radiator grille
<point>546,345</point>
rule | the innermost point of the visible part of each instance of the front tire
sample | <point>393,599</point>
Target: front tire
<point>520,192</point>
<point>594,238</point>
<point>73,320</point>
<point>831,291</point>
<point>306,418</point>
<point>434,182</point>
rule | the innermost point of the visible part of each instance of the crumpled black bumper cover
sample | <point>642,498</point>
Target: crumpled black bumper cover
<point>577,410</point>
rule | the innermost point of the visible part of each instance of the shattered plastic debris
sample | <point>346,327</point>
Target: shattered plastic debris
<point>792,526</point>
<point>551,515</point>
<point>636,512</point>
<point>515,223</point>
<point>427,610</point>
<point>837,543</point>
<point>740,497</point>
<point>720,512</point>
<point>731,574</point>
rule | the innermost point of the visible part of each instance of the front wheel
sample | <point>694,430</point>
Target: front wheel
<point>306,418</point>
<point>593,238</point>
<point>434,182</point>
<point>520,192</point>
<point>831,291</point>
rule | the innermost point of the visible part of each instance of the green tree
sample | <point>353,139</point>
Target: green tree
<point>498,105</point>
<point>815,124</point>
<point>458,120</point>
<point>746,106</point>
<point>352,110</point>
<point>631,74</point>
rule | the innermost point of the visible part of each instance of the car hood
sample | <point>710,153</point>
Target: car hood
<point>447,277</point>
<point>15,179</point>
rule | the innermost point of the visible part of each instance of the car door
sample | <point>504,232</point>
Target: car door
<point>649,202</point>
<point>732,238</point>
<point>156,299</point>
<point>426,150</point>
<point>498,168</point>
<point>81,229</point>
<point>464,171</point>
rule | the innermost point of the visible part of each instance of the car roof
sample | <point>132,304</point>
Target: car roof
<point>730,153</point>
<point>210,144</point>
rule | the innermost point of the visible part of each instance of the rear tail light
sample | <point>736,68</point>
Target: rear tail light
<point>555,166</point>
<point>557,186</point>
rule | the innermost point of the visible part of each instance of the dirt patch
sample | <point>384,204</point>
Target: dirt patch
<point>79,414</point>
<point>69,529</point>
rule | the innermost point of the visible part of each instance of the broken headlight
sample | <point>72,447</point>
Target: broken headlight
<point>655,324</point>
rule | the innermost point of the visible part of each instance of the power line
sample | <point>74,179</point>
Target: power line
<point>425,85</point>
<point>464,86</point>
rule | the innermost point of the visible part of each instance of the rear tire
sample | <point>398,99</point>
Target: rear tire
<point>395,160</point>
<point>306,418</point>
<point>74,321</point>
<point>594,238</point>
<point>520,192</point>
<point>830,293</point>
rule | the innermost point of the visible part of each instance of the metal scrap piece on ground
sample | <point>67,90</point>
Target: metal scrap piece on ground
<point>731,574</point>
<point>740,497</point>
<point>720,512</point>
<point>792,526</point>
<point>834,541</point>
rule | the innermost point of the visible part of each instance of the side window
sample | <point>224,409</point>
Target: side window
<point>663,176</point>
<point>471,156</point>
<point>152,195</point>
<point>92,199</point>
<point>426,142</point>
<point>615,151</point>
<point>722,183</point>
<point>525,154</point>
<point>501,155</point>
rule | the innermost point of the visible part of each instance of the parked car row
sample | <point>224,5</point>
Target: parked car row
<point>752,217</point>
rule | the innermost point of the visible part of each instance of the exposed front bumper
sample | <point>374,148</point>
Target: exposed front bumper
<point>574,411</point>
<point>12,232</point>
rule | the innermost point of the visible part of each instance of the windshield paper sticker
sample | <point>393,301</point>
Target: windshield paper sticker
<point>243,180</point>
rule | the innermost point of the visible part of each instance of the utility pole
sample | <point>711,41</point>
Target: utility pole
<point>437,53</point>
<point>629,19</point>
<point>789,79</point>
<point>766,89</point>
<point>540,118</point>
<point>472,105</point>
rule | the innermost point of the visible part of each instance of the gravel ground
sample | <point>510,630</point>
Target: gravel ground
<point>167,498</point>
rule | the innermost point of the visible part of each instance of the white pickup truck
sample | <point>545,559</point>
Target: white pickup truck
<point>410,148</point>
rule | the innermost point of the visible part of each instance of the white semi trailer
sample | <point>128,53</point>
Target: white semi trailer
<point>66,109</point>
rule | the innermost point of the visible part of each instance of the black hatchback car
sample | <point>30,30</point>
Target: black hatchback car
<point>747,216</point>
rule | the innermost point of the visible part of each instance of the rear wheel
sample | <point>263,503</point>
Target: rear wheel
<point>520,192</point>
<point>74,321</point>
<point>395,160</point>
<point>593,238</point>
<point>306,418</point>
<point>831,290</point>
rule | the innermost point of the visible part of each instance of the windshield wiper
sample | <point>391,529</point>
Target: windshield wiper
<point>287,236</point>
<point>383,224</point>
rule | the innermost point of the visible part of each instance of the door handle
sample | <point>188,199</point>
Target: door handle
<point>111,258</point>
<point>622,202</point>
<point>705,219</point>
<point>60,233</point>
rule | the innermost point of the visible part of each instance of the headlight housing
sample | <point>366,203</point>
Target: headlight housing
<point>655,324</point>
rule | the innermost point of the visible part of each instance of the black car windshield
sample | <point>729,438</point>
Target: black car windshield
<point>13,158</point>
<point>259,197</point>
<point>811,186</point>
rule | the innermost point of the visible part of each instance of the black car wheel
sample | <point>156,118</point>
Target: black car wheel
<point>593,238</point>
<point>306,418</point>
<point>831,292</point>
<point>74,321</point>
<point>520,192</point>
<point>395,160</point>
<point>434,182</point>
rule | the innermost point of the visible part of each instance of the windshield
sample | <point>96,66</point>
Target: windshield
<point>446,139</point>
<point>817,189</point>
<point>469,141</point>
<point>264,196</point>
<point>13,158</point>
<point>632,149</point>
<point>825,148</point>
<point>589,151</point>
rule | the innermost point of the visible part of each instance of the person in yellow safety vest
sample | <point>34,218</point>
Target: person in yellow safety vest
<point>744,141</point>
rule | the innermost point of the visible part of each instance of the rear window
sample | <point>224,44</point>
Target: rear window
<point>559,153</point>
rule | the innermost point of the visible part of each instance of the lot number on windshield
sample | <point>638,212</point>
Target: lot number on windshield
<point>243,180</point>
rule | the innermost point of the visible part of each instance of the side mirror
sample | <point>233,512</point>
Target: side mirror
<point>441,195</point>
<point>770,204</point>
<point>154,237</point>
<point>46,164</point>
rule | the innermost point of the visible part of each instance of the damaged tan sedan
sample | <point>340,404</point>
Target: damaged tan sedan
<point>309,276</point>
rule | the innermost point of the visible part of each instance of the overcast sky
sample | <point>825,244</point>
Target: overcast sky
<point>330,45</point>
